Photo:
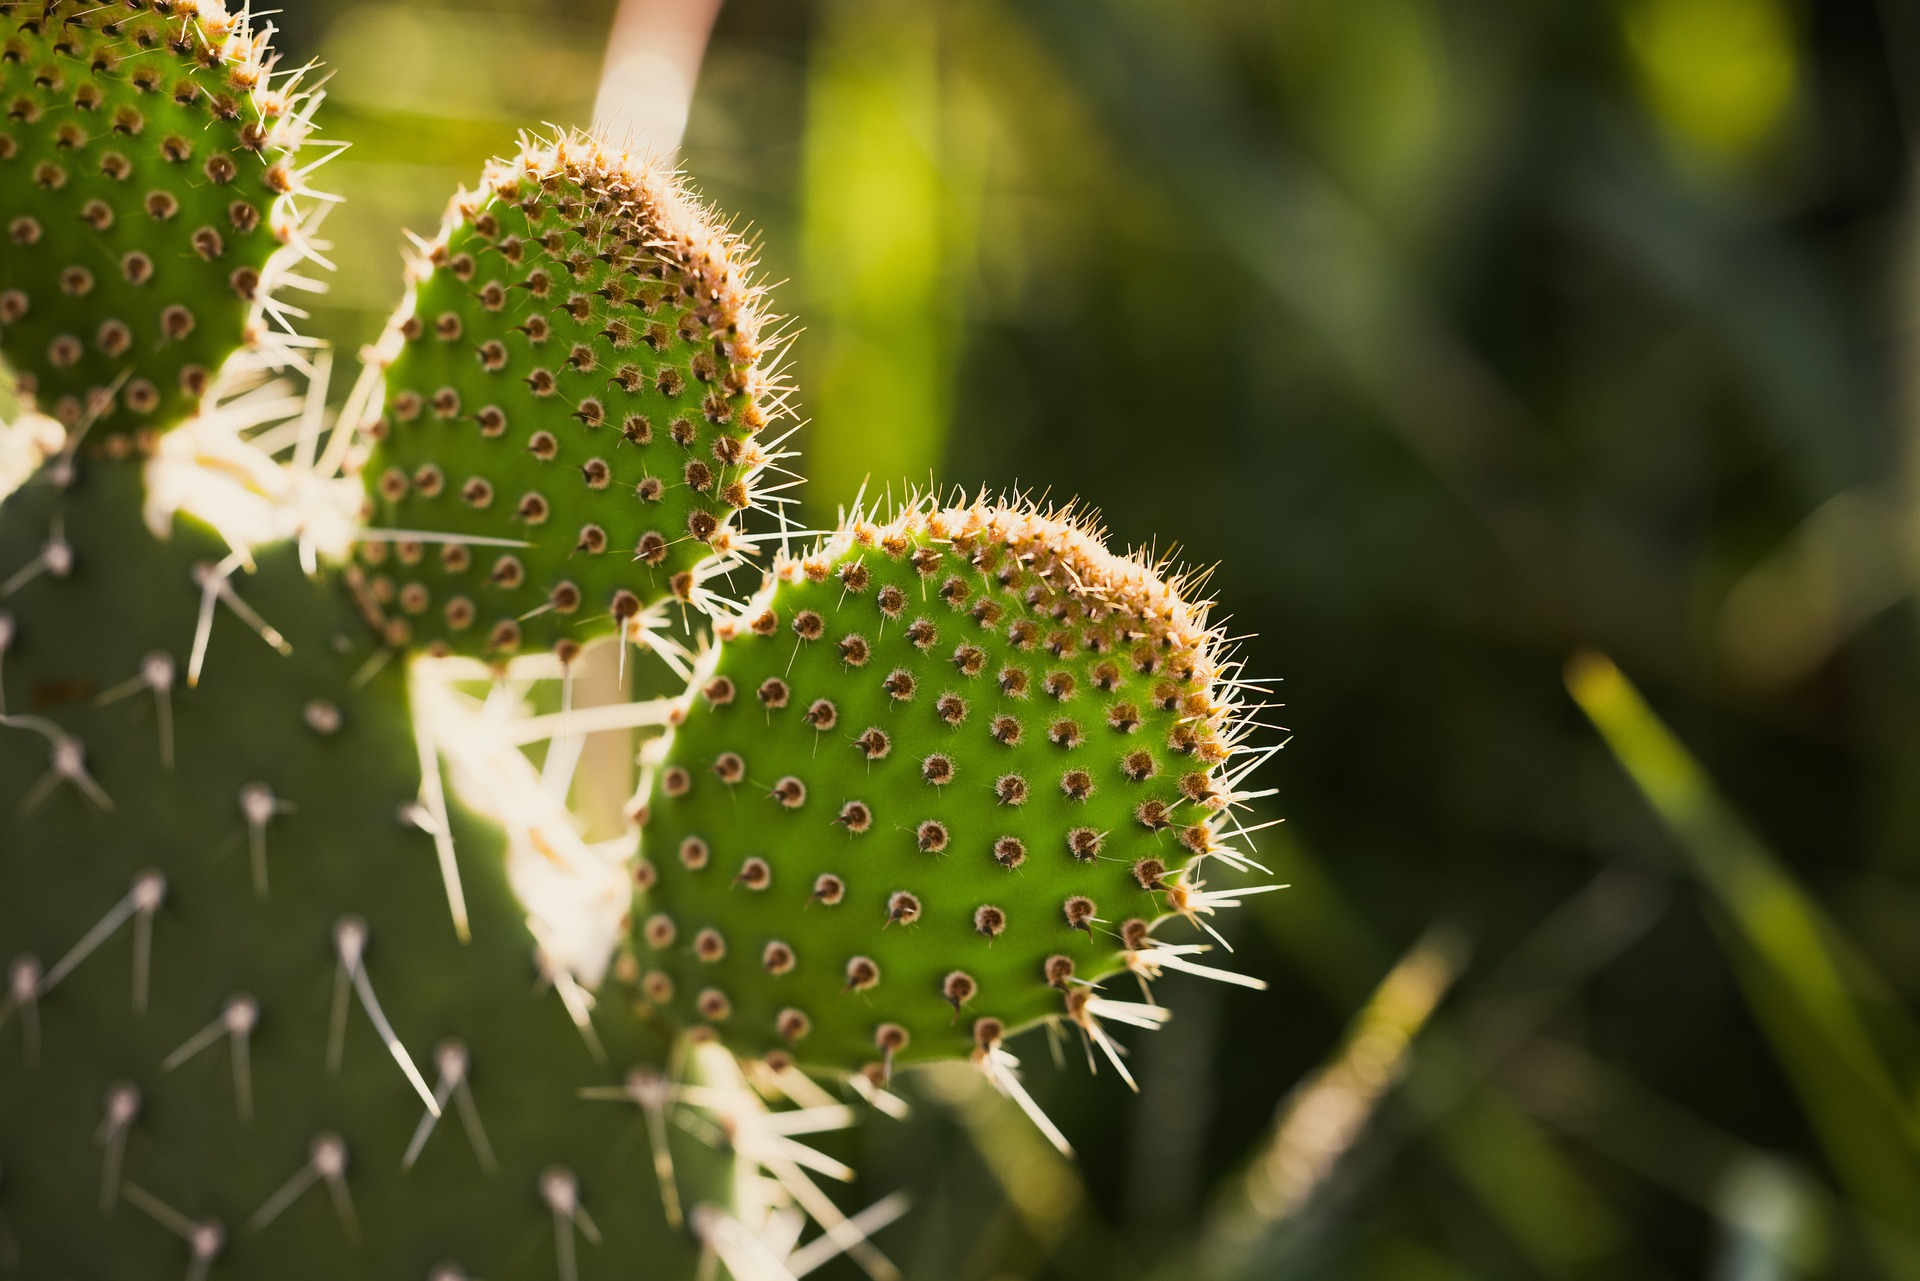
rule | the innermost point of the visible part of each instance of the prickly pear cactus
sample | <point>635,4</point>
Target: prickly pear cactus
<point>274,1003</point>
<point>577,372</point>
<point>940,778</point>
<point>151,189</point>
<point>277,1003</point>
<point>235,997</point>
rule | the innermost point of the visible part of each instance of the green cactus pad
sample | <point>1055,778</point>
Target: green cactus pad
<point>209,846</point>
<point>940,777</point>
<point>577,368</point>
<point>148,188</point>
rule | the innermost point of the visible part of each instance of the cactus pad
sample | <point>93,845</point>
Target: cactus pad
<point>941,777</point>
<point>577,369</point>
<point>216,907</point>
<point>148,189</point>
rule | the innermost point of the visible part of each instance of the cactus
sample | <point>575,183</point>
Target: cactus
<point>939,779</point>
<point>310,971</point>
<point>577,371</point>
<point>151,188</point>
<point>257,1015</point>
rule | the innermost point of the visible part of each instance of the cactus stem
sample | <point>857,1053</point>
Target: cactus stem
<point>465,747</point>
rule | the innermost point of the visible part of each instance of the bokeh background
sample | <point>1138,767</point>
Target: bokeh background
<point>1539,377</point>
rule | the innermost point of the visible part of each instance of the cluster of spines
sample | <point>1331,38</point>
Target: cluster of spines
<point>580,370</point>
<point>150,161</point>
<point>950,767</point>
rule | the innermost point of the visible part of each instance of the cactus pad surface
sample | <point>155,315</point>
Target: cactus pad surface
<point>578,369</point>
<point>942,776</point>
<point>149,181</point>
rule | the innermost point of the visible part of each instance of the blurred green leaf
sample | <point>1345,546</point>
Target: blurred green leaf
<point>890,204</point>
<point>1787,953</point>
<point>1560,1221</point>
<point>1719,74</point>
<point>1697,1160</point>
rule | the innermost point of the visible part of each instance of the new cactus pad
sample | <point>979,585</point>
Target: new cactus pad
<point>578,372</point>
<point>943,776</point>
<point>149,187</point>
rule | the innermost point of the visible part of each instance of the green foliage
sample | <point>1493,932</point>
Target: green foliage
<point>150,164</point>
<point>888,195</point>
<point>577,374</point>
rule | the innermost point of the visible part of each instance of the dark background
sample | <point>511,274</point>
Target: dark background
<point>1463,336</point>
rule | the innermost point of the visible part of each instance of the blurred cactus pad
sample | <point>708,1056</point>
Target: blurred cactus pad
<point>236,1000</point>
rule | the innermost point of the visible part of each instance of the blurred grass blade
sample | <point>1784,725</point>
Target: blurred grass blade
<point>1792,960</point>
<point>1316,926</point>
<point>1561,1223</point>
<point>1841,568</point>
<point>1694,1159</point>
<point>1321,1120</point>
<point>890,203</point>
<point>1042,1187</point>
<point>1549,1208</point>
